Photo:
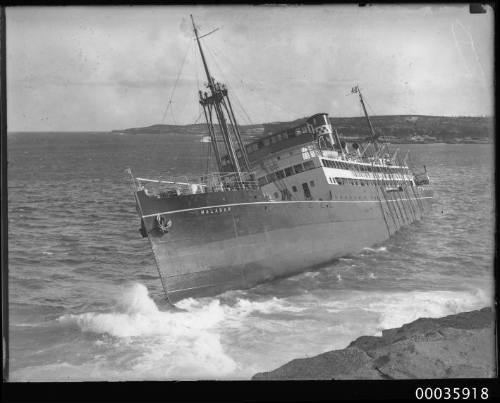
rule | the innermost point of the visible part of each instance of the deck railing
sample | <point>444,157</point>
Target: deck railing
<point>212,182</point>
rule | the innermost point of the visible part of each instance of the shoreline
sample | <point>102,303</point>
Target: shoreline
<point>454,346</point>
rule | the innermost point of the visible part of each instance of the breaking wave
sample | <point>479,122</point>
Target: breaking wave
<point>173,344</point>
<point>393,309</point>
<point>380,249</point>
<point>207,339</point>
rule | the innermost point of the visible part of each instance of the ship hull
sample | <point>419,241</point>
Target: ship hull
<point>240,242</point>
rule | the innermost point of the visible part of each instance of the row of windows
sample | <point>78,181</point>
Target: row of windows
<point>276,138</point>
<point>362,168</point>
<point>282,173</point>
<point>265,142</point>
<point>358,182</point>
<point>311,183</point>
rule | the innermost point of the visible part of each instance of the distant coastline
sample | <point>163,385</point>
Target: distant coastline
<point>396,129</point>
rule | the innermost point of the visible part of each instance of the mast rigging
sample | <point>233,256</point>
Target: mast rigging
<point>218,101</point>
<point>356,90</point>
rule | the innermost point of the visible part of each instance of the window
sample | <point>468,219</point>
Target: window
<point>271,177</point>
<point>324,162</point>
<point>273,139</point>
<point>289,171</point>
<point>298,168</point>
<point>266,142</point>
<point>286,195</point>
<point>308,165</point>
<point>311,183</point>
<point>294,188</point>
<point>307,192</point>
<point>280,174</point>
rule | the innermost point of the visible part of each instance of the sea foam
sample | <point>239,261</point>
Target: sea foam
<point>183,344</point>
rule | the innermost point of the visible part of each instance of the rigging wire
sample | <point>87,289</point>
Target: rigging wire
<point>200,112</point>
<point>258,83</point>
<point>169,105</point>
<point>172,113</point>
<point>228,85</point>
<point>227,82</point>
<point>196,67</point>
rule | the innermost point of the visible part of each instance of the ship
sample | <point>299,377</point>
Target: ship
<point>286,202</point>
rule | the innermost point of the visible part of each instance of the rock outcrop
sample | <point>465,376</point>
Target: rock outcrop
<point>456,346</point>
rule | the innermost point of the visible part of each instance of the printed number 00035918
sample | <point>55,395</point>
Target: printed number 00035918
<point>451,393</point>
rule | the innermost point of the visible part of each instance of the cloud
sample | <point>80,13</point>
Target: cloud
<point>101,68</point>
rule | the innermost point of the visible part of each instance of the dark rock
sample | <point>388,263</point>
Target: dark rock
<point>456,346</point>
<point>349,363</point>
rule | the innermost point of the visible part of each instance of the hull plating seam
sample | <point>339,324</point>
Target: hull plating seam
<point>285,202</point>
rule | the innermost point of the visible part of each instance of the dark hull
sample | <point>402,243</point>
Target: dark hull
<point>246,240</point>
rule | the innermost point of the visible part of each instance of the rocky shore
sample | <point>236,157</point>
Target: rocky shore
<point>456,346</point>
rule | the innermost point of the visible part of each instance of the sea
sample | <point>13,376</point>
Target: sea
<point>86,302</point>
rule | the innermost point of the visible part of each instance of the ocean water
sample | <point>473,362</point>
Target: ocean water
<point>86,302</point>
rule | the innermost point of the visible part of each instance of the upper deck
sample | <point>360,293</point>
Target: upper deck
<point>273,143</point>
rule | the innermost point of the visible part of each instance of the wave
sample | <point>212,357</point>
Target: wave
<point>393,309</point>
<point>184,343</point>
<point>231,337</point>
<point>380,249</point>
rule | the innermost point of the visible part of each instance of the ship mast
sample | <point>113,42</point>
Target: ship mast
<point>218,102</point>
<point>372,130</point>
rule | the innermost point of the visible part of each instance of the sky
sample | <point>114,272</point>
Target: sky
<point>103,68</point>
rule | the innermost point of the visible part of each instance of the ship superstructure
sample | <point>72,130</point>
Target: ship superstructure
<point>278,205</point>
